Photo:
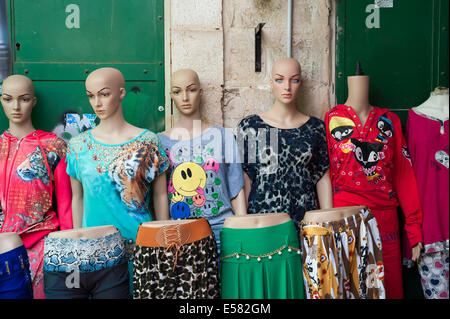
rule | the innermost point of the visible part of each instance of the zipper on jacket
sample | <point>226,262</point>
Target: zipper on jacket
<point>9,179</point>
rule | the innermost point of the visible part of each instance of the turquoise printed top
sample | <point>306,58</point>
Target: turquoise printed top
<point>116,179</point>
<point>205,174</point>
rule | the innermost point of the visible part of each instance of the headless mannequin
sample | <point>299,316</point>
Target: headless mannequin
<point>358,94</point>
<point>332,214</point>
<point>436,105</point>
<point>105,88</point>
<point>286,82</point>
<point>358,99</point>
<point>9,241</point>
<point>186,93</point>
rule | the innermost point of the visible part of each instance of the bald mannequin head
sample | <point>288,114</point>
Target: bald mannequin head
<point>105,89</point>
<point>286,64</point>
<point>18,99</point>
<point>186,91</point>
<point>18,81</point>
<point>286,80</point>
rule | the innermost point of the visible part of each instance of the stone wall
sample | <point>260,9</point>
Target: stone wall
<point>217,39</point>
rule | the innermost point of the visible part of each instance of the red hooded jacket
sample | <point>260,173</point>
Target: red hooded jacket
<point>30,183</point>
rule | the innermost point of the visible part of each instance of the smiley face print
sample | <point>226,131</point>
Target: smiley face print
<point>188,178</point>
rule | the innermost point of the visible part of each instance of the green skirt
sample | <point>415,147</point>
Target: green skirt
<point>261,263</point>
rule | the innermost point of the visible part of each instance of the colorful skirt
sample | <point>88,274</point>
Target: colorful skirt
<point>343,259</point>
<point>261,263</point>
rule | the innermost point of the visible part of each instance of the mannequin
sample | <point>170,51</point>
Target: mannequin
<point>215,190</point>
<point>117,159</point>
<point>28,179</point>
<point>170,254</point>
<point>436,105</point>
<point>428,135</point>
<point>368,152</point>
<point>347,240</point>
<point>294,177</point>
<point>14,268</point>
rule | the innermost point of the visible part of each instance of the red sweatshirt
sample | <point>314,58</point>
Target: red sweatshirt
<point>26,191</point>
<point>370,165</point>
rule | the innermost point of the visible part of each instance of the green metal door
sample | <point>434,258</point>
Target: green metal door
<point>402,46</point>
<point>58,42</point>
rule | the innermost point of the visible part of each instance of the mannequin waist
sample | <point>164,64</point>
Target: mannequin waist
<point>84,233</point>
<point>9,241</point>
<point>256,220</point>
<point>332,214</point>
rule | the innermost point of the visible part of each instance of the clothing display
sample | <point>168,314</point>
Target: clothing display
<point>205,175</point>
<point>370,165</point>
<point>101,264</point>
<point>343,259</point>
<point>176,262</point>
<point>15,278</point>
<point>428,143</point>
<point>32,169</point>
<point>122,172</point>
<point>261,263</point>
<point>284,172</point>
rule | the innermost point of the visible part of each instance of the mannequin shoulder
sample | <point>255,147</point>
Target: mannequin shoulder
<point>248,121</point>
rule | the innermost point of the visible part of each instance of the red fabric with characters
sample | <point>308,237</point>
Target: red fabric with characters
<point>28,183</point>
<point>370,165</point>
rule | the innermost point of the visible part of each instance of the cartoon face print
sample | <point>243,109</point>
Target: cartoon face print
<point>211,164</point>
<point>212,178</point>
<point>210,208</point>
<point>176,197</point>
<point>384,125</point>
<point>341,128</point>
<point>367,154</point>
<point>347,147</point>
<point>180,155</point>
<point>180,210</point>
<point>199,200</point>
<point>187,178</point>
<point>170,188</point>
<point>211,193</point>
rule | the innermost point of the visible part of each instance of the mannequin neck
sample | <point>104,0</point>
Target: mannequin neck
<point>21,130</point>
<point>284,111</point>
<point>358,94</point>
<point>113,127</point>
<point>437,105</point>
<point>191,123</point>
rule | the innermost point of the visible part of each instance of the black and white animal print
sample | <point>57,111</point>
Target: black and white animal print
<point>284,173</point>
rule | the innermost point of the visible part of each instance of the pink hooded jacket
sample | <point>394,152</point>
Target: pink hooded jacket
<point>28,181</point>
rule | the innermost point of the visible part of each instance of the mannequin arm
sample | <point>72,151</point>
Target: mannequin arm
<point>77,202</point>
<point>324,191</point>
<point>247,187</point>
<point>239,203</point>
<point>160,200</point>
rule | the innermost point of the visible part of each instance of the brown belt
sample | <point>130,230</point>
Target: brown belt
<point>173,236</point>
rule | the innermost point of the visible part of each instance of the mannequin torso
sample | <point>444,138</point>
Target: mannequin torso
<point>256,220</point>
<point>9,241</point>
<point>82,233</point>
<point>333,214</point>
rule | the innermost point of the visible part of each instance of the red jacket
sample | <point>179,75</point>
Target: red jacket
<point>27,193</point>
<point>370,165</point>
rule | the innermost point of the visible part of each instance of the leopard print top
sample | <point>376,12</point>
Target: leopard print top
<point>284,165</point>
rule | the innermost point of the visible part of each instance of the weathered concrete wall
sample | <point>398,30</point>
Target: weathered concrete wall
<point>217,39</point>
